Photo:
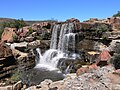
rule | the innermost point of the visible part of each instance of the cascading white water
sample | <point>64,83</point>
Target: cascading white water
<point>53,44</point>
<point>69,42</point>
<point>59,47</point>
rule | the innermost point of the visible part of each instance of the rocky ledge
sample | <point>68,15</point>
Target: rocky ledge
<point>103,78</point>
<point>7,61</point>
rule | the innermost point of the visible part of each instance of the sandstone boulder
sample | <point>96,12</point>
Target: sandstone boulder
<point>8,35</point>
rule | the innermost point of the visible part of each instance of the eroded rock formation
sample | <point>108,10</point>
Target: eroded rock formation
<point>7,61</point>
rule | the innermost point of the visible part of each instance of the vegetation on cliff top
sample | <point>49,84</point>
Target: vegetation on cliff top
<point>12,24</point>
<point>117,14</point>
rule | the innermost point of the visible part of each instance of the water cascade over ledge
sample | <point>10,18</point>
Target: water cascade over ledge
<point>62,46</point>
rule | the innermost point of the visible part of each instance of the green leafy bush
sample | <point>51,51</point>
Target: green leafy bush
<point>14,24</point>
<point>100,28</point>
<point>30,30</point>
<point>116,61</point>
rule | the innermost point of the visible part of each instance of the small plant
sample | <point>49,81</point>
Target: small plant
<point>14,38</point>
<point>117,14</point>
<point>116,58</point>
<point>116,61</point>
<point>30,30</point>
<point>16,76</point>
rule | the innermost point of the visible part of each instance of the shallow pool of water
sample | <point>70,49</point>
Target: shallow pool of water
<point>37,75</point>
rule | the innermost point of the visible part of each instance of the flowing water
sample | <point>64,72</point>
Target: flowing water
<point>62,46</point>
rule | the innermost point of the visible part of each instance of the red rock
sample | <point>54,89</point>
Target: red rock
<point>82,70</point>
<point>23,31</point>
<point>103,58</point>
<point>38,26</point>
<point>93,66</point>
<point>8,34</point>
<point>72,20</point>
<point>104,55</point>
<point>115,22</point>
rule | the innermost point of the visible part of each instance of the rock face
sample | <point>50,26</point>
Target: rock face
<point>7,60</point>
<point>38,26</point>
<point>24,60</point>
<point>115,22</point>
<point>8,34</point>
<point>22,32</point>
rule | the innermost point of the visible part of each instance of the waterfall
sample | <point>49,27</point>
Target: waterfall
<point>62,45</point>
<point>53,44</point>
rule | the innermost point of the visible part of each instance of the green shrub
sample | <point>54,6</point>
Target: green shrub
<point>16,76</point>
<point>14,38</point>
<point>100,28</point>
<point>30,30</point>
<point>1,31</point>
<point>117,14</point>
<point>116,58</point>
<point>116,61</point>
<point>14,24</point>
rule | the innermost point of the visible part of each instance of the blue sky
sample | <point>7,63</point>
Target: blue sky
<point>58,9</point>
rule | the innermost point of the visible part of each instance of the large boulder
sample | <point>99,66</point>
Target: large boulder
<point>8,34</point>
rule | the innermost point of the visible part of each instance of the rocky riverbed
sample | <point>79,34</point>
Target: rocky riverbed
<point>100,79</point>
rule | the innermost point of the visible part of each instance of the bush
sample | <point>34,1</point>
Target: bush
<point>30,30</point>
<point>16,76</point>
<point>116,61</point>
<point>100,28</point>
<point>14,24</point>
<point>1,31</point>
<point>116,58</point>
<point>117,14</point>
<point>15,38</point>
